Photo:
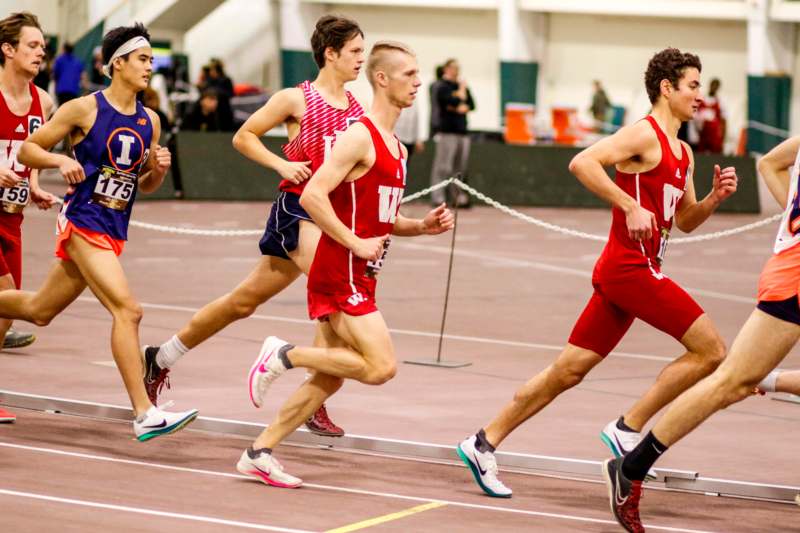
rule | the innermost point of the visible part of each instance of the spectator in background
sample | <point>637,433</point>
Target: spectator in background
<point>67,72</point>
<point>204,116</point>
<point>600,106</point>
<point>452,142</point>
<point>97,80</point>
<point>152,100</point>
<point>711,121</point>
<point>407,130</point>
<point>435,117</point>
<point>42,80</point>
<point>222,85</point>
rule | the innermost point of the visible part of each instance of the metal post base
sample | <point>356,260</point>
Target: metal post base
<point>434,362</point>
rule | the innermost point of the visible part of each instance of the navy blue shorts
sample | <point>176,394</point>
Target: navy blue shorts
<point>283,226</point>
<point>787,310</point>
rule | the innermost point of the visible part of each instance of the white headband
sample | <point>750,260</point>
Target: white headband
<point>126,48</point>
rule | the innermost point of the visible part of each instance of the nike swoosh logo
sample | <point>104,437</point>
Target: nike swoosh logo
<point>617,497</point>
<point>263,367</point>
<point>161,425</point>
<point>622,450</point>
<point>480,468</point>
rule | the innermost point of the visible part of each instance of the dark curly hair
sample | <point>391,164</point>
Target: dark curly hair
<point>668,64</point>
<point>334,32</point>
<point>119,36</point>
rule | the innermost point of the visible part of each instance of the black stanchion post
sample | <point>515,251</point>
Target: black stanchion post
<point>438,361</point>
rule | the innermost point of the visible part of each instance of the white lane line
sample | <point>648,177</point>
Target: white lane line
<point>169,241</point>
<point>492,256</point>
<point>156,259</point>
<point>338,489</point>
<point>411,332</point>
<point>151,512</point>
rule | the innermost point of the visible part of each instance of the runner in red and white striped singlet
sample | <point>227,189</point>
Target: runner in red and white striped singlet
<point>319,127</point>
<point>314,113</point>
<point>354,197</point>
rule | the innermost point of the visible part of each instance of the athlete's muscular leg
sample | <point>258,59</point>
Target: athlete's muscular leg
<point>368,355</point>
<point>305,400</point>
<point>270,276</point>
<point>565,372</point>
<point>104,275</point>
<point>63,284</point>
<point>6,284</point>
<point>759,347</point>
<point>705,350</point>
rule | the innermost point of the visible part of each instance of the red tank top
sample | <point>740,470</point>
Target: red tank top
<point>660,191</point>
<point>320,125</point>
<point>368,206</point>
<point>14,129</point>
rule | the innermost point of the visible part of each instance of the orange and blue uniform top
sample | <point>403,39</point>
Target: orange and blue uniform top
<point>113,155</point>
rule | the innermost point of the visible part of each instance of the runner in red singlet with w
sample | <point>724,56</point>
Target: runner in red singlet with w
<point>354,198</point>
<point>653,187</point>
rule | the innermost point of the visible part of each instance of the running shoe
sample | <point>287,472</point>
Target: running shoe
<point>155,377</point>
<point>621,442</point>
<point>6,417</point>
<point>266,369</point>
<point>17,339</point>
<point>265,468</point>
<point>321,424</point>
<point>483,466</point>
<point>157,422</point>
<point>623,496</point>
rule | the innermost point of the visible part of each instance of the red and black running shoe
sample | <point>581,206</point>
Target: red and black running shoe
<point>321,424</point>
<point>155,377</point>
<point>623,495</point>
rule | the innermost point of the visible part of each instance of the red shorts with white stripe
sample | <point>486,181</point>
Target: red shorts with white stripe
<point>320,304</point>
<point>641,294</point>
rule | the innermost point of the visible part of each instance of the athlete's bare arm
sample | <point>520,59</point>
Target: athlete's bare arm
<point>437,221</point>
<point>691,213</point>
<point>774,168</point>
<point>286,106</point>
<point>39,196</point>
<point>634,145</point>
<point>74,119</point>
<point>351,157</point>
<point>159,161</point>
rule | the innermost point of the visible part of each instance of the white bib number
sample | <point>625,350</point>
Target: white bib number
<point>374,267</point>
<point>14,199</point>
<point>113,190</point>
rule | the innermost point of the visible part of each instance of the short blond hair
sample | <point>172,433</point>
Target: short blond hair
<point>379,54</point>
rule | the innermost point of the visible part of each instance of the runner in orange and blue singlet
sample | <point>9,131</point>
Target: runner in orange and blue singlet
<point>116,154</point>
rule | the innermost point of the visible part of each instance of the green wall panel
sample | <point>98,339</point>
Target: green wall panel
<point>768,102</point>
<point>297,66</point>
<point>514,175</point>
<point>517,83</point>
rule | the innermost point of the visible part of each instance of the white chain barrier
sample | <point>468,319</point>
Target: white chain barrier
<point>483,198</point>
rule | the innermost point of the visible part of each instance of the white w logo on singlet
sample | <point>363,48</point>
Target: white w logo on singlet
<point>8,158</point>
<point>388,202</point>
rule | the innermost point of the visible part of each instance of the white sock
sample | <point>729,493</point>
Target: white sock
<point>769,382</point>
<point>169,352</point>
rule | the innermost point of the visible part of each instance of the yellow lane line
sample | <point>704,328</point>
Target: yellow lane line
<point>386,518</point>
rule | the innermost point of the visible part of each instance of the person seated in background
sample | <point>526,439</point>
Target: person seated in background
<point>151,100</point>
<point>204,115</point>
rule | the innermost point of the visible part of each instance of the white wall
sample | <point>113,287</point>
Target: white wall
<point>46,10</point>
<point>242,33</point>
<point>616,50</point>
<point>436,35</point>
